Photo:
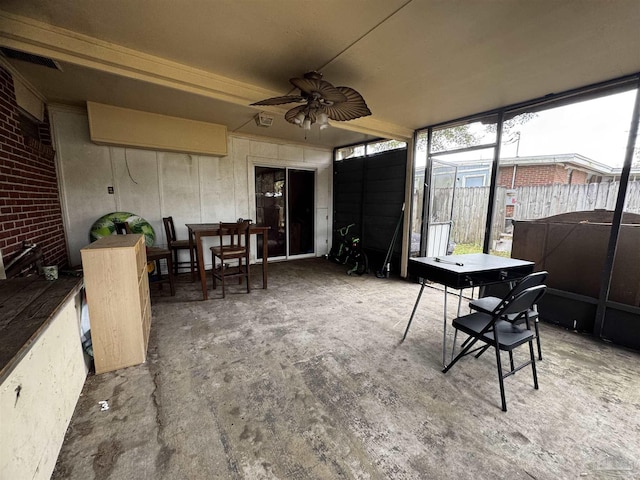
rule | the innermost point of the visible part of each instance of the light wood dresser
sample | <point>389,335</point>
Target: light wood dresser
<point>117,286</point>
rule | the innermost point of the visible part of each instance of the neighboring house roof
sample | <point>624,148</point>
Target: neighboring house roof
<point>570,160</point>
<point>574,160</point>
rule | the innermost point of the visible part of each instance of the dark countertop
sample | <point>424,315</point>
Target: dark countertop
<point>27,305</point>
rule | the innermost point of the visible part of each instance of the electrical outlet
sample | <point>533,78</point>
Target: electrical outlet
<point>110,190</point>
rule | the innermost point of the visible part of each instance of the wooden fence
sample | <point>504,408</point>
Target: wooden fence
<point>470,205</point>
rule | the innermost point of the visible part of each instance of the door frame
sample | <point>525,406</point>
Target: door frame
<point>252,163</point>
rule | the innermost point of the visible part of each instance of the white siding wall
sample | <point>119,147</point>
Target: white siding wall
<point>155,184</point>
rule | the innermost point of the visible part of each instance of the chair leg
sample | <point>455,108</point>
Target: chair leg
<point>222,275</point>
<point>170,274</point>
<point>159,273</point>
<point>453,347</point>
<point>462,353</point>
<point>500,379</point>
<point>484,349</point>
<point>533,365</point>
<point>213,271</point>
<point>535,324</point>
<point>174,255</point>
<point>248,275</point>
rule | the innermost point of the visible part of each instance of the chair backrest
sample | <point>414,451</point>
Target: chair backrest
<point>122,227</point>
<point>521,302</point>
<point>169,229</point>
<point>531,280</point>
<point>236,232</point>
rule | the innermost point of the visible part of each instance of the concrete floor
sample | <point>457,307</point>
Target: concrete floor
<point>308,380</point>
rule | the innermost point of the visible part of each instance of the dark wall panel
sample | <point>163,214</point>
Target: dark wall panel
<point>370,192</point>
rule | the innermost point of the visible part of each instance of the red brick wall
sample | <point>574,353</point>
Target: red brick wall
<point>578,177</point>
<point>528,175</point>
<point>29,198</point>
<point>505,176</point>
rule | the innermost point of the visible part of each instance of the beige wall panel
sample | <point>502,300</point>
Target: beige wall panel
<point>50,377</point>
<point>244,196</point>
<point>322,157</point>
<point>126,127</point>
<point>84,175</point>
<point>240,150</point>
<point>218,185</point>
<point>179,195</point>
<point>323,185</point>
<point>294,153</point>
<point>263,149</point>
<point>136,185</point>
<point>322,232</point>
<point>27,100</point>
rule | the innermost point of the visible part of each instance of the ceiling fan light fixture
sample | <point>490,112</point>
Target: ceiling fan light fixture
<point>299,118</point>
<point>322,119</point>
<point>306,124</point>
<point>320,101</point>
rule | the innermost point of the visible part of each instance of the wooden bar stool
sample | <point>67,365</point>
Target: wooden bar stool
<point>154,254</point>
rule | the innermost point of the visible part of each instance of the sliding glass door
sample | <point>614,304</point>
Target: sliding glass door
<point>454,166</point>
<point>285,201</point>
<point>301,206</point>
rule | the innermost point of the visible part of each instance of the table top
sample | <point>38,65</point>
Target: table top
<point>214,227</point>
<point>471,269</point>
<point>470,262</point>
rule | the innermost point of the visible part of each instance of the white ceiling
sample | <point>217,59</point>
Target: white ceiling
<point>415,62</point>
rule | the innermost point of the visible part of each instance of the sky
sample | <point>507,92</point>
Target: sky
<point>597,129</point>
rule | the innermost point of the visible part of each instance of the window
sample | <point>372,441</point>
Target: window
<point>473,181</point>
<point>367,149</point>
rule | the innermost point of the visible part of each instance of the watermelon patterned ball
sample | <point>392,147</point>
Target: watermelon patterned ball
<point>105,226</point>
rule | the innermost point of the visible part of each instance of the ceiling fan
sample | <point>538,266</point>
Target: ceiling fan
<point>321,101</point>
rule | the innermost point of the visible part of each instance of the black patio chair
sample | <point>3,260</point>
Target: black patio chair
<point>492,331</point>
<point>490,304</point>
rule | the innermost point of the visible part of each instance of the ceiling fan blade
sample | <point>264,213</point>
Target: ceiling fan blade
<point>280,100</point>
<point>354,107</point>
<point>322,87</point>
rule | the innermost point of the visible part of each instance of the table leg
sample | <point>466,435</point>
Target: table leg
<point>415,307</point>
<point>444,327</point>
<point>265,255</point>
<point>193,271</point>
<point>455,332</point>
<point>200,257</point>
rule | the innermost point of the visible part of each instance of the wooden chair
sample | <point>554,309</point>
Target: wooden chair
<point>176,245</point>
<point>122,228</point>
<point>154,255</point>
<point>234,245</point>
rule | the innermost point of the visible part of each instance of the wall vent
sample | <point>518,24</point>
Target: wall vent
<point>31,58</point>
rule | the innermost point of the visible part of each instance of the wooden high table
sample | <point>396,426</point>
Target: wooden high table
<point>199,230</point>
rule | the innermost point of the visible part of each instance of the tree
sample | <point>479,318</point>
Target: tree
<point>461,136</point>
